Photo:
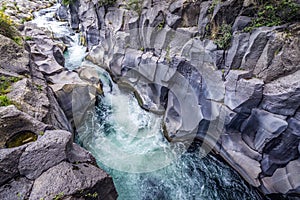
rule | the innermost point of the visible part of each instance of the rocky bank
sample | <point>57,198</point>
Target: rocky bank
<point>240,96</point>
<point>33,80</point>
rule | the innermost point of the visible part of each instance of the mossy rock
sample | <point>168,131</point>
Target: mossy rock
<point>20,139</point>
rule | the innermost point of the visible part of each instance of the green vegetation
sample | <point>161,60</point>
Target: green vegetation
<point>6,82</point>
<point>161,25</point>
<point>212,6</point>
<point>223,37</point>
<point>6,25</point>
<point>136,5</point>
<point>274,13</point>
<point>94,195</point>
<point>27,38</point>
<point>5,101</point>
<point>5,87</point>
<point>59,196</point>
<point>67,2</point>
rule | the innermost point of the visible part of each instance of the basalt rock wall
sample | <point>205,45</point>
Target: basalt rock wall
<point>241,98</point>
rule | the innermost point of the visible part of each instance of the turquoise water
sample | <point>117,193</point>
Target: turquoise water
<point>128,143</point>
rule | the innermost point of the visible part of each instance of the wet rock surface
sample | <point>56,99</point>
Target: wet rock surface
<point>34,75</point>
<point>256,96</point>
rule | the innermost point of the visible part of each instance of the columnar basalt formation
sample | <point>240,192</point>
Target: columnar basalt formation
<point>243,100</point>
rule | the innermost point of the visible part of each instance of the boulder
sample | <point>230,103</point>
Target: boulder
<point>13,58</point>
<point>62,13</point>
<point>18,188</point>
<point>46,152</point>
<point>77,154</point>
<point>9,159</point>
<point>31,98</point>
<point>80,178</point>
<point>14,121</point>
<point>257,42</point>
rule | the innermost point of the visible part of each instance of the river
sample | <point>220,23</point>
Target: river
<point>128,143</point>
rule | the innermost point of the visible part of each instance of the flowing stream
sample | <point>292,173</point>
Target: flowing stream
<point>128,143</point>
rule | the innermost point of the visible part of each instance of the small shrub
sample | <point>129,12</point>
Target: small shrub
<point>223,37</point>
<point>274,13</point>
<point>7,28</point>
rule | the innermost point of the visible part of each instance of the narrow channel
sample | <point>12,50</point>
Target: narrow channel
<point>128,143</point>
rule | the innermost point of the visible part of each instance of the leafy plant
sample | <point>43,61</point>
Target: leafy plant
<point>223,37</point>
<point>274,13</point>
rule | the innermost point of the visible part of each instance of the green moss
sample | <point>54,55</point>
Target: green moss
<point>5,101</point>
<point>20,139</point>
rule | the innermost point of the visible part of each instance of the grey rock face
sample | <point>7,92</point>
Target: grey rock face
<point>31,98</point>
<point>237,50</point>
<point>9,159</point>
<point>242,95</point>
<point>280,151</point>
<point>257,43</point>
<point>48,151</point>
<point>74,20</point>
<point>16,189</point>
<point>78,176</point>
<point>78,154</point>
<point>245,159</point>
<point>13,58</point>
<point>240,23</point>
<point>14,121</point>
<point>282,95</point>
<point>262,127</point>
<point>284,180</point>
<point>203,17</point>
<point>62,13</point>
<point>279,57</point>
